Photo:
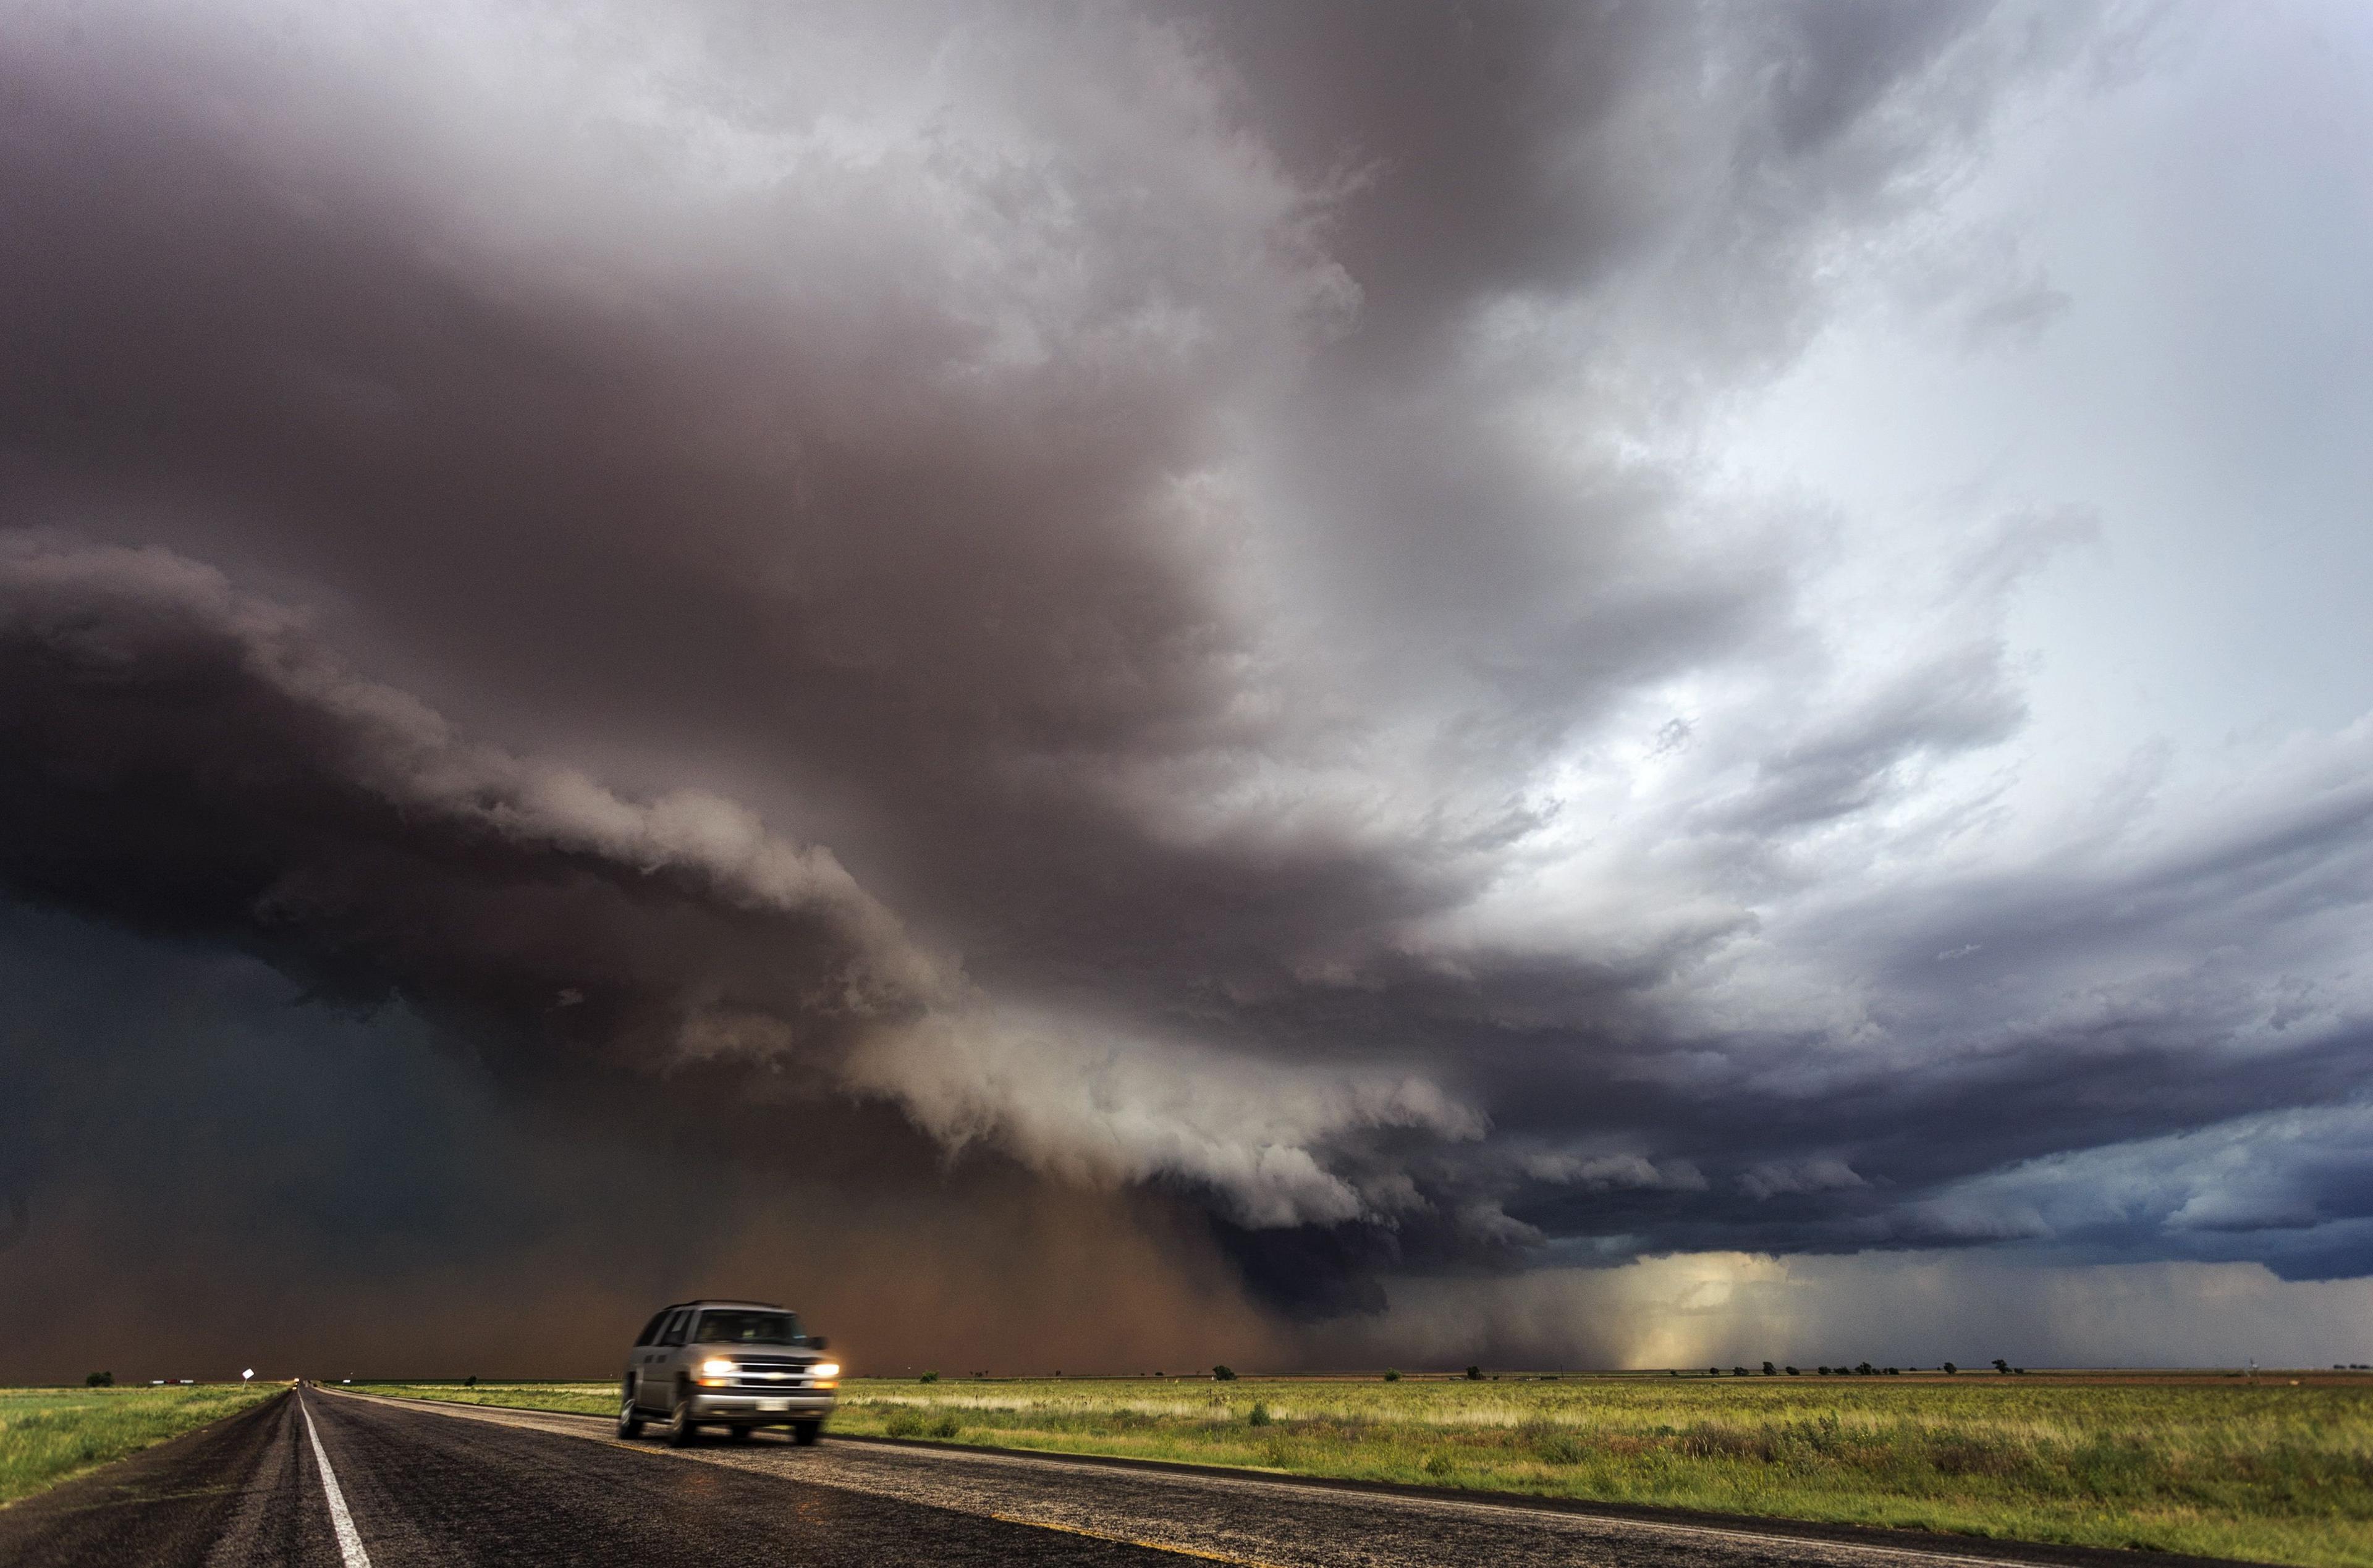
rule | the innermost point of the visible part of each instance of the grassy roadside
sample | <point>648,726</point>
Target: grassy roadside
<point>47,1435</point>
<point>2273,1473</point>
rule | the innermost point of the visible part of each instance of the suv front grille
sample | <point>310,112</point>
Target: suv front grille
<point>771,1373</point>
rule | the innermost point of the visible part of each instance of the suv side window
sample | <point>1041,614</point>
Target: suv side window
<point>673,1333</point>
<point>651,1330</point>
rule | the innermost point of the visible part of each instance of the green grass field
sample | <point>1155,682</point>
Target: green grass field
<point>50,1435</point>
<point>2222,1467</point>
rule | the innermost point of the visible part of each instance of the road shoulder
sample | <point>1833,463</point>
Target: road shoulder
<point>165,1506</point>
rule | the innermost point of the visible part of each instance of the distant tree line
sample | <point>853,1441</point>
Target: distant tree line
<point>1860,1369</point>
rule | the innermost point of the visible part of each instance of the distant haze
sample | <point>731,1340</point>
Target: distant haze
<point>1110,687</point>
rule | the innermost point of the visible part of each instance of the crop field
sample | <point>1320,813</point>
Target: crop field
<point>2269,1471</point>
<point>50,1435</point>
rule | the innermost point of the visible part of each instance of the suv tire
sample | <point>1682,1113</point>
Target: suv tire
<point>630,1420</point>
<point>680,1430</point>
<point>806,1432</point>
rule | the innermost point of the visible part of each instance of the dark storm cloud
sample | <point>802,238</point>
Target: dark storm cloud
<point>180,762</point>
<point>1138,590</point>
<point>186,762</point>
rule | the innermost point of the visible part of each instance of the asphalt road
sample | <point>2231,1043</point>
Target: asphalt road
<point>410,1485</point>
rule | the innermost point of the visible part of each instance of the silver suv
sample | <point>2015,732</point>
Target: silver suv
<point>738,1364</point>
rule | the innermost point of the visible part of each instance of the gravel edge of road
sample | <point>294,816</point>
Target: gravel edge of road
<point>1939,1542</point>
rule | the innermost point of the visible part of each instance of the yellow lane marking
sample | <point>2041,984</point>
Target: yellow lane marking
<point>1133,1540</point>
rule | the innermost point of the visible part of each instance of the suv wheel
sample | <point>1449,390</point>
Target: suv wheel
<point>806,1432</point>
<point>630,1421</point>
<point>680,1430</point>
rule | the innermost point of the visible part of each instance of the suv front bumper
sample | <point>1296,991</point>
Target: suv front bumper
<point>738,1406</point>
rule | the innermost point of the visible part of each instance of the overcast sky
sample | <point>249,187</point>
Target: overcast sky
<point>1315,684</point>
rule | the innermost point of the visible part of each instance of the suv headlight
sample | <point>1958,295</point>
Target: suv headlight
<point>716,1368</point>
<point>825,1369</point>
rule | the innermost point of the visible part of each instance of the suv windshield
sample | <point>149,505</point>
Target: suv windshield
<point>749,1329</point>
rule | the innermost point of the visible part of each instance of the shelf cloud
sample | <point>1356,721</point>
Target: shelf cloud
<point>1179,616</point>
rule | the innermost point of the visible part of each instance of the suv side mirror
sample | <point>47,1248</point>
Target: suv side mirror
<point>818,1341</point>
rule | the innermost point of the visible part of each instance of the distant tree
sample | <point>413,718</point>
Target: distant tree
<point>1770,1370</point>
<point>1825,1372</point>
<point>1713,1371</point>
<point>469,1382</point>
<point>98,1379</point>
<point>1895,1372</point>
<point>2001,1365</point>
<point>1738,1372</point>
<point>1260,1416</point>
<point>1865,1370</point>
<point>1792,1371</point>
<point>1224,1375</point>
<point>1950,1369</point>
<point>1475,1375</point>
<point>1392,1374</point>
<point>929,1377</point>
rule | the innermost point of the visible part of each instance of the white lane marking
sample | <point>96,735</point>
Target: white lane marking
<point>350,1544</point>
